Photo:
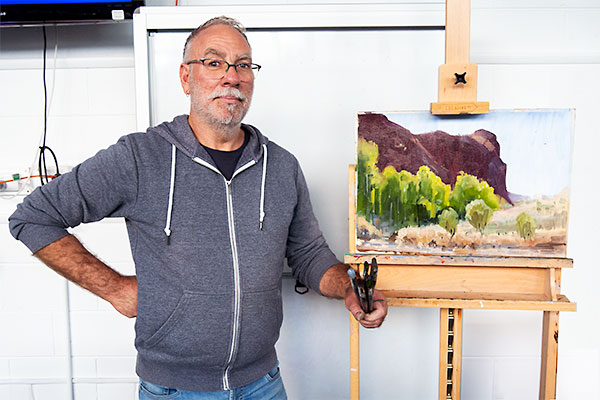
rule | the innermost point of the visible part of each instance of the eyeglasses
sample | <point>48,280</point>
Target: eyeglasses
<point>217,69</point>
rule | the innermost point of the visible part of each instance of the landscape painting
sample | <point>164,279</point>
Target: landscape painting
<point>494,184</point>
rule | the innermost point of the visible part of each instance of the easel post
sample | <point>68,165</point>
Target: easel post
<point>549,356</point>
<point>450,353</point>
<point>354,359</point>
<point>457,81</point>
<point>354,333</point>
<point>351,209</point>
<point>458,31</point>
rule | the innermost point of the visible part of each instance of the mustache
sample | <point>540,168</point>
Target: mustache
<point>227,92</point>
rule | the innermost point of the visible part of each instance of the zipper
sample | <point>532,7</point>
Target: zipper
<point>236,268</point>
<point>236,280</point>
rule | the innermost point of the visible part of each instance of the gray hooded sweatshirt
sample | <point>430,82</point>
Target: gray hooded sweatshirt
<point>209,253</point>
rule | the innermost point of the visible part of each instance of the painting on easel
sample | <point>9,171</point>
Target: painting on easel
<point>493,184</point>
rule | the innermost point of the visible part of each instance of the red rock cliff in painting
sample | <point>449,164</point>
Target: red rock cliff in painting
<point>446,155</point>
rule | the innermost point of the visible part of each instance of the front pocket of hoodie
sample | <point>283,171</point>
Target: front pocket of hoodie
<point>197,331</point>
<point>261,320</point>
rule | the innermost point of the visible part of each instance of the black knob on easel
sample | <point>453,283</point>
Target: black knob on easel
<point>460,78</point>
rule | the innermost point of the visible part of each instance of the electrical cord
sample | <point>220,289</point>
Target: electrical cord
<point>35,161</point>
<point>42,167</point>
<point>24,177</point>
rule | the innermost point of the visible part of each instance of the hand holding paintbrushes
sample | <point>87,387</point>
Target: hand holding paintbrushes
<point>364,286</point>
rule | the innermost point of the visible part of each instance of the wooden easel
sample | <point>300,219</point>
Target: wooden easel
<point>454,283</point>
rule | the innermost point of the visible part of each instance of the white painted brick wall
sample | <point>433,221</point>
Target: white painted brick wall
<point>4,369</point>
<point>573,384</point>
<point>516,378</point>
<point>26,334</point>
<point>50,391</point>
<point>18,255</point>
<point>117,391</point>
<point>4,392</point>
<point>85,367</point>
<point>82,300</point>
<point>485,333</point>
<point>60,331</point>
<point>110,91</point>
<point>38,367</point>
<point>29,288</point>
<point>115,252</point>
<point>16,392</point>
<point>101,333</point>
<point>479,373</point>
<point>85,391</point>
<point>119,367</point>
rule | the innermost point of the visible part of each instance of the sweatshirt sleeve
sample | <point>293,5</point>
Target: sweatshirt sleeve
<point>102,186</point>
<point>308,254</point>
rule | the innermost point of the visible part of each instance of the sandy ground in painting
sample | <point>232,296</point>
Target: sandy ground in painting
<point>499,238</point>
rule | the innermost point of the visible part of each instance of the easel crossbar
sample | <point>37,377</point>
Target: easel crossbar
<point>563,304</point>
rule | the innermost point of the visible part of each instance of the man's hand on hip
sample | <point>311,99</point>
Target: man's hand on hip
<point>69,258</point>
<point>125,300</point>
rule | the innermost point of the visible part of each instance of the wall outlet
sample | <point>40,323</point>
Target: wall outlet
<point>15,182</point>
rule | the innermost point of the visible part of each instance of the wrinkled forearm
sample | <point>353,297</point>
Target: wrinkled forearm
<point>335,282</point>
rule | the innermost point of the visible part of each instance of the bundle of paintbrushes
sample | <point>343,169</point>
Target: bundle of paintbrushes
<point>364,286</point>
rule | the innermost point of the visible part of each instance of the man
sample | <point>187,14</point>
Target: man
<point>212,209</point>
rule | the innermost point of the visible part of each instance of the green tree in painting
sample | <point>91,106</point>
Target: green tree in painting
<point>401,202</point>
<point>409,197</point>
<point>526,225</point>
<point>368,178</point>
<point>389,205</point>
<point>479,214</point>
<point>448,220</point>
<point>469,188</point>
<point>433,193</point>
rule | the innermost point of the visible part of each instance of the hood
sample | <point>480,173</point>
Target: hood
<point>179,133</point>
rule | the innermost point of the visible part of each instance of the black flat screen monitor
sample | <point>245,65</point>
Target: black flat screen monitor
<point>55,11</point>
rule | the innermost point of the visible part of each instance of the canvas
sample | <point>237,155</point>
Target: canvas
<point>494,184</point>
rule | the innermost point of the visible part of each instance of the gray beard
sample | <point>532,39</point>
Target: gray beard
<point>226,124</point>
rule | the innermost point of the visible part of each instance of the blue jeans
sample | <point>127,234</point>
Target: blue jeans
<point>269,387</point>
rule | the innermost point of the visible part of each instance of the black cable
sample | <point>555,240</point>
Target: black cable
<point>42,168</point>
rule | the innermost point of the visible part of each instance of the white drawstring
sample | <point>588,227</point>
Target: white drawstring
<point>171,190</point>
<point>262,190</point>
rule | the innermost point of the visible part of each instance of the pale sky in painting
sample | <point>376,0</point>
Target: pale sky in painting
<point>534,144</point>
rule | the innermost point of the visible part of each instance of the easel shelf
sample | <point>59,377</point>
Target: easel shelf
<point>517,279</point>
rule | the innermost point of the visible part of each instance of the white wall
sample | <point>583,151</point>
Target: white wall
<point>546,52</point>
